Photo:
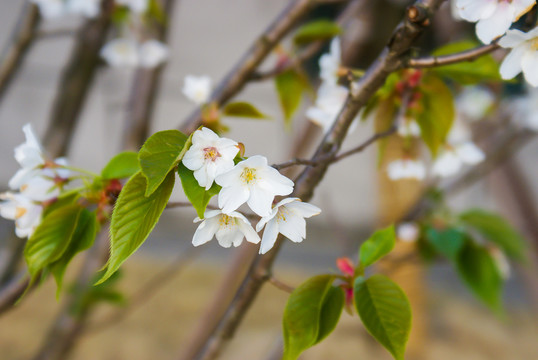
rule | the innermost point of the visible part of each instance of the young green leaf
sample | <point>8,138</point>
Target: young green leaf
<point>197,195</point>
<point>289,86</point>
<point>121,166</point>
<point>384,311</point>
<point>312,311</point>
<point>437,115</point>
<point>479,271</point>
<point>82,239</point>
<point>497,230</point>
<point>65,199</point>
<point>316,30</point>
<point>485,68</point>
<point>51,238</point>
<point>447,242</point>
<point>134,217</point>
<point>243,109</point>
<point>377,246</point>
<point>159,155</point>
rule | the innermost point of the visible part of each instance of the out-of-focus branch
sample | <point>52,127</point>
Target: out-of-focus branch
<point>76,80</point>
<point>12,291</point>
<point>21,40</point>
<point>242,72</point>
<point>280,285</point>
<point>417,18</point>
<point>145,90</point>
<point>468,55</point>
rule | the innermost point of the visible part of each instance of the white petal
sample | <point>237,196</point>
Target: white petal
<point>153,53</point>
<point>231,198</point>
<point>511,65</point>
<point>230,178</point>
<point>121,53</point>
<point>495,25</point>
<point>447,164</point>
<point>21,177</point>
<point>197,88</point>
<point>474,10</point>
<point>260,201</point>
<point>270,235</point>
<point>194,158</point>
<point>294,228</point>
<point>529,64</point>
<point>305,210</point>
<point>512,38</point>
<point>201,176</point>
<point>275,182</point>
<point>469,153</point>
<point>228,236</point>
<point>256,161</point>
<point>249,232</point>
<point>205,231</point>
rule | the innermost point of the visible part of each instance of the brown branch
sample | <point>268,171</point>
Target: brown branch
<point>76,80</point>
<point>467,55</point>
<point>389,60</point>
<point>236,79</point>
<point>280,285</point>
<point>145,89</point>
<point>17,48</point>
<point>12,291</point>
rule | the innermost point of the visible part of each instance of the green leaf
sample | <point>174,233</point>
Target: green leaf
<point>497,230</point>
<point>82,239</point>
<point>197,195</point>
<point>289,86</point>
<point>51,238</point>
<point>62,200</point>
<point>121,166</point>
<point>159,155</point>
<point>377,246</point>
<point>447,242</point>
<point>479,271</point>
<point>312,311</point>
<point>437,115</point>
<point>316,30</point>
<point>134,217</point>
<point>243,109</point>
<point>384,311</point>
<point>485,68</point>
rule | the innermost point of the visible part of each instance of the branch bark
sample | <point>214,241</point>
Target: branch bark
<point>468,55</point>
<point>417,18</point>
<point>21,41</point>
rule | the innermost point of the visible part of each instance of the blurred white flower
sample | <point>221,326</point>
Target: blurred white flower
<point>474,102</point>
<point>407,232</point>
<point>51,9</point>
<point>121,52</point>
<point>87,8</point>
<point>286,218</point>
<point>524,109</point>
<point>408,127</point>
<point>25,213</point>
<point>329,63</point>
<point>452,159</point>
<point>136,6</point>
<point>523,57</point>
<point>29,155</point>
<point>152,54</point>
<point>329,101</point>
<point>197,88</point>
<point>254,182</point>
<point>406,169</point>
<point>229,229</point>
<point>209,156</point>
<point>493,17</point>
<point>40,188</point>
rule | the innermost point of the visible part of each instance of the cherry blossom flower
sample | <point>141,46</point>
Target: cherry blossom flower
<point>121,52</point>
<point>254,182</point>
<point>406,169</point>
<point>25,213</point>
<point>87,8</point>
<point>523,57</point>
<point>329,63</point>
<point>50,9</point>
<point>152,54</point>
<point>286,218</point>
<point>29,155</point>
<point>407,232</point>
<point>209,156</point>
<point>474,102</point>
<point>525,109</point>
<point>408,127</point>
<point>136,6</point>
<point>493,17</point>
<point>329,101</point>
<point>197,88</point>
<point>228,229</point>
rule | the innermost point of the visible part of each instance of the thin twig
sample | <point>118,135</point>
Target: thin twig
<point>280,285</point>
<point>12,291</point>
<point>467,55</point>
<point>21,40</point>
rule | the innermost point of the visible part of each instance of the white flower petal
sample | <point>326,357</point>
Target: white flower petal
<point>153,53</point>
<point>269,237</point>
<point>260,201</point>
<point>248,231</point>
<point>231,198</point>
<point>205,231</point>
<point>496,25</point>
<point>511,65</point>
<point>447,164</point>
<point>294,228</point>
<point>529,65</point>
<point>474,10</point>
<point>197,88</point>
<point>512,38</point>
<point>469,153</point>
<point>305,210</point>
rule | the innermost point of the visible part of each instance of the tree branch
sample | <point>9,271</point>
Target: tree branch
<point>468,55</point>
<point>21,40</point>
<point>391,58</point>
<point>242,72</point>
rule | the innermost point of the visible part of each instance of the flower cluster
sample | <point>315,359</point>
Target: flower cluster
<point>37,182</point>
<point>330,96</point>
<point>251,181</point>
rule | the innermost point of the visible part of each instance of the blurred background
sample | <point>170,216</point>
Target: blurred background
<point>168,285</point>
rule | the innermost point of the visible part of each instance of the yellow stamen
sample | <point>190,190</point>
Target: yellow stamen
<point>211,153</point>
<point>534,44</point>
<point>19,212</point>
<point>248,175</point>
<point>225,220</point>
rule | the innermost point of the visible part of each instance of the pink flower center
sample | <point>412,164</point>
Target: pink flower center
<point>211,153</point>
